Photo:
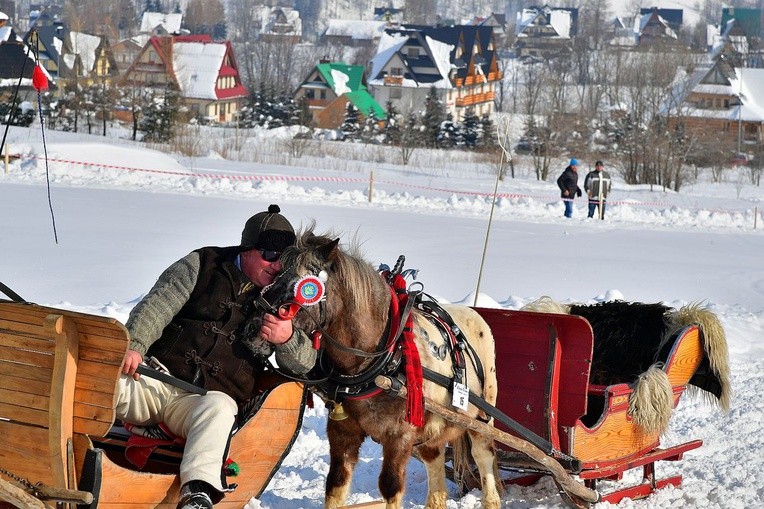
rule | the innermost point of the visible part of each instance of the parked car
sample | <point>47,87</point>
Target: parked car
<point>740,159</point>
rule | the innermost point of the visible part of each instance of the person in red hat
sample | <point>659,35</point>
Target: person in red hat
<point>193,325</point>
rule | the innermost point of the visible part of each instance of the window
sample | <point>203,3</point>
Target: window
<point>310,94</point>
<point>412,52</point>
<point>396,71</point>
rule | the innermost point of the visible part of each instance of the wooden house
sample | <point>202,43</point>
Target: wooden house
<point>721,99</point>
<point>545,32</point>
<point>74,58</point>
<point>204,72</point>
<point>355,33</point>
<point>653,29</point>
<point>330,87</point>
<point>459,62</point>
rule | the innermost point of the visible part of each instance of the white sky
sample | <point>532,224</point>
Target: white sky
<point>118,228</point>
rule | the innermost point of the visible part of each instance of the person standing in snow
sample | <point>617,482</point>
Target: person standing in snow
<point>597,186</point>
<point>568,184</point>
<point>193,323</point>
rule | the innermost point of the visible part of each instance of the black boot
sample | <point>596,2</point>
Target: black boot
<point>195,495</point>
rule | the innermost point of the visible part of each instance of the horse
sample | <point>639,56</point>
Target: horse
<point>633,339</point>
<point>359,338</point>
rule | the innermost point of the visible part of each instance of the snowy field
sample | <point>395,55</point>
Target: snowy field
<point>117,214</point>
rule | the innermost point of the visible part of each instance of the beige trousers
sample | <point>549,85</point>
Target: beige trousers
<point>206,422</point>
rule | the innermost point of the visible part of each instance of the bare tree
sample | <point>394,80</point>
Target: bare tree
<point>204,16</point>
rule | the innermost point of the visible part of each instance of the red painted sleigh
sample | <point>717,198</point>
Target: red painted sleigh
<point>543,363</point>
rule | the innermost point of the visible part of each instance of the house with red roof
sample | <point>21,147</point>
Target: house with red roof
<point>203,71</point>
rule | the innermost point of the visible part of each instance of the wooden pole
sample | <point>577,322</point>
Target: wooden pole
<point>18,497</point>
<point>371,184</point>
<point>574,493</point>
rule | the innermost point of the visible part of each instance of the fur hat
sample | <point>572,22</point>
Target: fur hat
<point>267,230</point>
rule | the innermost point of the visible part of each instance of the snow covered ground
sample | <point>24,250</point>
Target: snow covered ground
<point>122,213</point>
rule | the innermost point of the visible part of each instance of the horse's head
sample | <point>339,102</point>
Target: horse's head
<point>302,283</point>
<point>354,299</point>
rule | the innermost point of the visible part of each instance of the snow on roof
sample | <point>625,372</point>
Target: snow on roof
<point>641,21</point>
<point>3,16</point>
<point>170,22</point>
<point>752,85</point>
<point>525,18</point>
<point>340,82</point>
<point>561,21</point>
<point>5,34</point>
<point>196,66</point>
<point>357,29</point>
<point>85,46</point>
<point>441,54</point>
<point>389,45</point>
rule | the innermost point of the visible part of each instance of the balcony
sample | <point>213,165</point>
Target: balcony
<point>477,79</point>
<point>393,81</point>
<point>472,99</point>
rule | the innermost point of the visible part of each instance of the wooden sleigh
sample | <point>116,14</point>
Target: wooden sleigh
<point>58,375</point>
<point>543,367</point>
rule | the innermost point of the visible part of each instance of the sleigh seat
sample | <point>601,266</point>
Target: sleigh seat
<point>58,383</point>
<point>543,367</point>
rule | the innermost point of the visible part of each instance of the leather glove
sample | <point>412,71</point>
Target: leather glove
<point>578,192</point>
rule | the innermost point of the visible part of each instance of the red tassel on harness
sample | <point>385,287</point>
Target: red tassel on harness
<point>39,80</point>
<point>413,365</point>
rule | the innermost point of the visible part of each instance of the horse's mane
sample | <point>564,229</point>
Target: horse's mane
<point>354,278</point>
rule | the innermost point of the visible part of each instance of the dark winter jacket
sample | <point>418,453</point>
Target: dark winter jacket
<point>568,181</point>
<point>192,321</point>
<point>596,182</point>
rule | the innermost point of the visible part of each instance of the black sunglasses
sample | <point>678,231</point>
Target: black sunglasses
<point>270,256</point>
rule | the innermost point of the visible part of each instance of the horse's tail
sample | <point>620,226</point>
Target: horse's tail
<point>546,304</point>
<point>461,459</point>
<point>652,401</point>
<point>714,346</point>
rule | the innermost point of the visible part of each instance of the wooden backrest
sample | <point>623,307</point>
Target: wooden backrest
<point>685,356</point>
<point>542,368</point>
<point>58,377</point>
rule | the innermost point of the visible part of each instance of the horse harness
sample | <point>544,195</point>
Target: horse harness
<point>388,359</point>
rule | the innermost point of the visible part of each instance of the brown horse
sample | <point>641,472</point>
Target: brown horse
<point>353,322</point>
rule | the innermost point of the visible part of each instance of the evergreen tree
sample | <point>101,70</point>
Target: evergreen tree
<point>16,115</point>
<point>488,132</point>
<point>448,133</point>
<point>304,116</point>
<point>350,126</point>
<point>392,129</point>
<point>434,115</point>
<point>159,119</point>
<point>371,131</point>
<point>469,130</point>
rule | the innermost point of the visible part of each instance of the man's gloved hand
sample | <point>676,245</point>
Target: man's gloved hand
<point>578,192</point>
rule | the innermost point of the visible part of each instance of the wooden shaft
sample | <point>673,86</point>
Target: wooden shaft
<point>18,497</point>
<point>572,488</point>
<point>65,495</point>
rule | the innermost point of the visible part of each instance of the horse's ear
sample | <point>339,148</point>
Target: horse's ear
<point>328,251</point>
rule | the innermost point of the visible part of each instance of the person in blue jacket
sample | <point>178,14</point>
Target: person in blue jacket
<point>568,184</point>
